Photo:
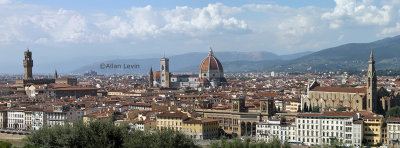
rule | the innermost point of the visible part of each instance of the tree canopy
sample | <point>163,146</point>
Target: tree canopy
<point>393,112</point>
<point>102,133</point>
<point>237,143</point>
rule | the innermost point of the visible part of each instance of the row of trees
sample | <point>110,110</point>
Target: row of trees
<point>237,143</point>
<point>102,133</point>
<point>306,108</point>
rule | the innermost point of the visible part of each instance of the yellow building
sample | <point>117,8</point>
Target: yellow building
<point>3,118</point>
<point>170,120</point>
<point>373,124</point>
<point>200,129</point>
<point>293,106</point>
<point>94,116</point>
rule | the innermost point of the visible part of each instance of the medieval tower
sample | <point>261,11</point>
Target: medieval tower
<point>151,77</point>
<point>28,64</point>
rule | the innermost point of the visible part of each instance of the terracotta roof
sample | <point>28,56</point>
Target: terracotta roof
<point>156,75</point>
<point>393,119</point>
<point>328,114</point>
<point>267,94</point>
<point>340,89</point>
<point>176,114</point>
<point>210,63</point>
<point>196,121</point>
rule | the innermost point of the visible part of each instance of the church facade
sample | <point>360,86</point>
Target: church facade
<point>369,99</point>
<point>211,74</point>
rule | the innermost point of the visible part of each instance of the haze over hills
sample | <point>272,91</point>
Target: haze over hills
<point>348,57</point>
<point>189,62</point>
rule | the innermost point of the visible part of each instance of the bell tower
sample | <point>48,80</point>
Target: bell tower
<point>266,106</point>
<point>238,104</point>
<point>164,69</point>
<point>371,85</point>
<point>28,64</point>
<point>151,77</point>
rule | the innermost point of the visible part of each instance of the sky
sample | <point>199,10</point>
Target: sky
<point>68,34</point>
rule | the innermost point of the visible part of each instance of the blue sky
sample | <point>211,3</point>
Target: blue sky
<point>79,32</point>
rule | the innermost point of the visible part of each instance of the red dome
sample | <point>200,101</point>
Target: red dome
<point>211,63</point>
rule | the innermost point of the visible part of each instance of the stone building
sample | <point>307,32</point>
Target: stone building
<point>211,74</point>
<point>369,99</point>
<point>239,120</point>
<point>393,132</point>
<point>323,128</point>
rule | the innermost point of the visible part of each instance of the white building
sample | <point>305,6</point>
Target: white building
<point>358,132</point>
<point>16,118</point>
<point>393,132</point>
<point>281,129</point>
<point>139,126</point>
<point>28,120</point>
<point>323,128</point>
<point>39,119</point>
<point>56,118</point>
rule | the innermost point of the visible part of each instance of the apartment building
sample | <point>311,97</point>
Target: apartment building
<point>200,128</point>
<point>373,124</point>
<point>170,120</point>
<point>281,129</point>
<point>324,128</point>
<point>393,132</point>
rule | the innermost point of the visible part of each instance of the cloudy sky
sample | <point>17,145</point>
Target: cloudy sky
<point>61,31</point>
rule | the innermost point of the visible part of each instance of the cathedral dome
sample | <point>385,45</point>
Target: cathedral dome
<point>211,63</point>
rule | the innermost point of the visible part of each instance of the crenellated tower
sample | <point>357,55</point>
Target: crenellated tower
<point>151,77</point>
<point>28,64</point>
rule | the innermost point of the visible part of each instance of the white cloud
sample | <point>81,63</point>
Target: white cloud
<point>2,2</point>
<point>364,13</point>
<point>390,31</point>
<point>292,30</point>
<point>144,22</point>
<point>62,25</point>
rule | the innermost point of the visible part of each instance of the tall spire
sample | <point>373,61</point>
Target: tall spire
<point>372,54</point>
<point>151,70</point>
<point>372,98</point>
<point>210,53</point>
<point>371,57</point>
<point>55,74</point>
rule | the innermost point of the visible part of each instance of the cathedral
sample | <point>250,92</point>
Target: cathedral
<point>369,99</point>
<point>211,74</point>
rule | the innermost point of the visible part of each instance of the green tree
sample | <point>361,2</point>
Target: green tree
<point>102,133</point>
<point>99,133</point>
<point>299,109</point>
<point>237,143</point>
<point>315,109</point>
<point>305,107</point>
<point>393,112</point>
<point>4,144</point>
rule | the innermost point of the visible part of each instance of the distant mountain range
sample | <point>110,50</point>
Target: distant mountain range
<point>348,57</point>
<point>189,62</point>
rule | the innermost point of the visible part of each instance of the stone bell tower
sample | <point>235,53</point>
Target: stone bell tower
<point>371,85</point>
<point>28,64</point>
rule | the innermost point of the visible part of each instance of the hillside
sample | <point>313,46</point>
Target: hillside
<point>348,57</point>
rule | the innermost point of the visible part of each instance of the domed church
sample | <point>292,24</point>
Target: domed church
<point>211,74</point>
<point>211,71</point>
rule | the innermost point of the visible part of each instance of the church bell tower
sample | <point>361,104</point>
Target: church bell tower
<point>28,64</point>
<point>164,69</point>
<point>371,85</point>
